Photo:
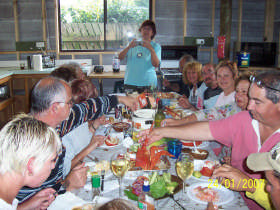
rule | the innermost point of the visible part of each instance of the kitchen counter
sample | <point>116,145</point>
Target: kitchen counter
<point>8,71</point>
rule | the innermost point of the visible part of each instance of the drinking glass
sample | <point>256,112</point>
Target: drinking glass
<point>119,166</point>
<point>175,148</point>
<point>184,168</point>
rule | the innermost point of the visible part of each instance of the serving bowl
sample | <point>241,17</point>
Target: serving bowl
<point>200,154</point>
<point>120,126</point>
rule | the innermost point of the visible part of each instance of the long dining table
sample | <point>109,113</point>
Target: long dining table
<point>231,200</point>
<point>111,186</point>
<point>167,203</point>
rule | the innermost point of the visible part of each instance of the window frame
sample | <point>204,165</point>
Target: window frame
<point>105,24</point>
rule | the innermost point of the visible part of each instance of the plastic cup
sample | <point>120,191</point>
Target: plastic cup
<point>175,148</point>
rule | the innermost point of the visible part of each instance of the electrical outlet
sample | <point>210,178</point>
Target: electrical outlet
<point>200,41</point>
<point>40,44</point>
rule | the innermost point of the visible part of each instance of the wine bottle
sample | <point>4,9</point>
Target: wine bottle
<point>159,116</point>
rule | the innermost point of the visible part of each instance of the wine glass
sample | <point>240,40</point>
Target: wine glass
<point>184,168</point>
<point>119,166</point>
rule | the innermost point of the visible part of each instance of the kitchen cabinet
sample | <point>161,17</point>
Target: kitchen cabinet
<point>6,104</point>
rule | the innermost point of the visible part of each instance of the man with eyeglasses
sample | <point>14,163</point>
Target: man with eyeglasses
<point>52,103</point>
<point>247,132</point>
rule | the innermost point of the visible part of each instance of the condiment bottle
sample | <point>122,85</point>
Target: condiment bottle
<point>116,63</point>
<point>159,116</point>
<point>145,200</point>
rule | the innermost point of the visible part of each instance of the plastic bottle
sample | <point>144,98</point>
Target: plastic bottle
<point>159,116</point>
<point>146,201</point>
<point>116,63</point>
<point>95,181</point>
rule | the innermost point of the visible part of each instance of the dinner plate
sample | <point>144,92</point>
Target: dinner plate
<point>202,145</point>
<point>225,195</point>
<point>113,134</point>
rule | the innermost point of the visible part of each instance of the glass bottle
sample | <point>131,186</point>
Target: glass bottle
<point>159,116</point>
<point>116,63</point>
<point>95,182</point>
<point>145,200</point>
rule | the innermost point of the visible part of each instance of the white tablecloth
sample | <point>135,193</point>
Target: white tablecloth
<point>111,186</point>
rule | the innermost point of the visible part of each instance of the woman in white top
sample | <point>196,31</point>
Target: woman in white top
<point>29,150</point>
<point>226,72</point>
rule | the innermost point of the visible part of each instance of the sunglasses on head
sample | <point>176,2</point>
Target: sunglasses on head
<point>260,83</point>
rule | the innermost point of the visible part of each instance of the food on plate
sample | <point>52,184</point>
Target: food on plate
<point>168,95</point>
<point>111,120</point>
<point>176,114</point>
<point>200,154</point>
<point>197,174</point>
<point>208,168</point>
<point>191,143</point>
<point>160,185</point>
<point>120,126</point>
<point>112,141</point>
<point>150,159</point>
<point>206,194</point>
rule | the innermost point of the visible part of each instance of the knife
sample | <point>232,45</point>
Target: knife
<point>171,196</point>
<point>102,181</point>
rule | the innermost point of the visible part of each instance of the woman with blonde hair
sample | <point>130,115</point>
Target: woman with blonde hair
<point>195,87</point>
<point>29,150</point>
<point>226,72</point>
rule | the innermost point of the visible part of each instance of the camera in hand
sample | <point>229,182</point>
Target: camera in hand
<point>139,42</point>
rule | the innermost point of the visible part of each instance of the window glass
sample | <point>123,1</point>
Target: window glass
<point>100,25</point>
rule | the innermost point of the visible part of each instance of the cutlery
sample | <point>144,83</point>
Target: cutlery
<point>108,131</point>
<point>172,196</point>
<point>102,181</point>
<point>195,147</point>
<point>95,159</point>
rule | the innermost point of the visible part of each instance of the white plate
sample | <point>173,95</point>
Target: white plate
<point>225,195</point>
<point>114,134</point>
<point>145,113</point>
<point>198,165</point>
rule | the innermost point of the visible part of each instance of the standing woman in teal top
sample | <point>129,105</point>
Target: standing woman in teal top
<point>142,58</point>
